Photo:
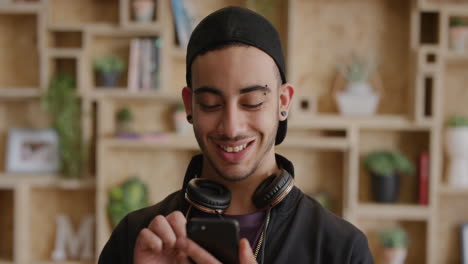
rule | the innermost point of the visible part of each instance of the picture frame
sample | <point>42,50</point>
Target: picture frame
<point>464,243</point>
<point>32,151</point>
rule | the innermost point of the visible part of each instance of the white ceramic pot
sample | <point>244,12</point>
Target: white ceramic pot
<point>358,99</point>
<point>182,126</point>
<point>394,255</point>
<point>458,39</point>
<point>143,10</point>
<point>457,149</point>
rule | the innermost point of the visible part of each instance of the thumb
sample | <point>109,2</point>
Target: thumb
<point>246,255</point>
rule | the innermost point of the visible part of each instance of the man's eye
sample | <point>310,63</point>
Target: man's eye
<point>253,106</point>
<point>209,107</point>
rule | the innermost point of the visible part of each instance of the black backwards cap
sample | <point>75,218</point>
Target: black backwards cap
<point>237,24</point>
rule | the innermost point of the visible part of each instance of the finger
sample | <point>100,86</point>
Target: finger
<point>177,221</point>
<point>182,258</point>
<point>246,255</point>
<point>161,227</point>
<point>195,252</point>
<point>147,240</point>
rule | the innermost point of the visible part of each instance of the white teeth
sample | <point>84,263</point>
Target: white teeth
<point>234,149</point>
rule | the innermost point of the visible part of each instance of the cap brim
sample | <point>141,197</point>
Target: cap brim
<point>281,133</point>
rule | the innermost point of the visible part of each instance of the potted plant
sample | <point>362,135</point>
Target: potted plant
<point>143,10</point>
<point>129,196</point>
<point>109,68</point>
<point>395,245</point>
<point>358,97</point>
<point>457,149</point>
<point>385,168</point>
<point>458,34</point>
<point>124,118</point>
<point>62,102</point>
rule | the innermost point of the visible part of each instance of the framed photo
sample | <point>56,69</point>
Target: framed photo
<point>464,243</point>
<point>32,151</point>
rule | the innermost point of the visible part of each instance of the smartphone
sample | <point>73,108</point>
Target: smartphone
<point>218,236</point>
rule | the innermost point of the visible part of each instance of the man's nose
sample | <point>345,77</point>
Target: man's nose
<point>231,123</point>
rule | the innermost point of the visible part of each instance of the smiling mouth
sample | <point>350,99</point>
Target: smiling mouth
<point>234,149</point>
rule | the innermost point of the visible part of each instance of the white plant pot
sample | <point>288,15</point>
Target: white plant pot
<point>143,10</point>
<point>182,126</point>
<point>394,255</point>
<point>457,149</point>
<point>358,99</point>
<point>458,39</point>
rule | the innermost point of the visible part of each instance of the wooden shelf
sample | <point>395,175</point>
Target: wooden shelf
<point>329,121</point>
<point>450,190</point>
<point>10,180</point>
<point>148,27</point>
<point>65,53</point>
<point>6,262</point>
<point>19,93</point>
<point>179,53</point>
<point>158,142</point>
<point>456,58</point>
<point>65,262</point>
<point>124,93</point>
<point>393,211</point>
<point>314,142</point>
<point>20,8</point>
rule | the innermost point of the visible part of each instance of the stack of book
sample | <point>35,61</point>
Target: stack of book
<point>185,19</point>
<point>144,64</point>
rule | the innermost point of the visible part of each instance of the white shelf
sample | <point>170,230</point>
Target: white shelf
<point>10,180</point>
<point>19,93</point>
<point>124,93</point>
<point>393,211</point>
<point>331,121</point>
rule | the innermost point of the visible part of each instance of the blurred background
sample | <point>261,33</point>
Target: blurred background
<point>92,126</point>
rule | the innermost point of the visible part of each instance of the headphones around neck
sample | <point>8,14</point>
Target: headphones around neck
<point>212,197</point>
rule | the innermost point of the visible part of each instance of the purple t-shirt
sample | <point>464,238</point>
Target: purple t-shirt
<point>250,225</point>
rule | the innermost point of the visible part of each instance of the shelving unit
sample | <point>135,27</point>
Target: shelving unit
<point>424,83</point>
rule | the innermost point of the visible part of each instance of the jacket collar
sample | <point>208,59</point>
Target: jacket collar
<point>196,164</point>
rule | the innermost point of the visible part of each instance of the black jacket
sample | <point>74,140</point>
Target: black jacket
<point>300,229</point>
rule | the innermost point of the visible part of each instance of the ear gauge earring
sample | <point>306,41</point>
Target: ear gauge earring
<point>189,118</point>
<point>283,113</point>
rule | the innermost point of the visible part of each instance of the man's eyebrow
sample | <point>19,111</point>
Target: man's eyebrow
<point>255,88</point>
<point>207,89</point>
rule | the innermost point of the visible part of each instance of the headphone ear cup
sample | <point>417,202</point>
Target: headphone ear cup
<point>273,190</point>
<point>208,196</point>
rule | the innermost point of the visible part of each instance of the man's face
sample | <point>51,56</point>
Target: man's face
<point>235,109</point>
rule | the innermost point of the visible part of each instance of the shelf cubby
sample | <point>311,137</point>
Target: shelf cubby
<point>345,28</point>
<point>6,225</point>
<point>45,204</point>
<point>319,171</point>
<point>410,143</point>
<point>65,39</point>
<point>71,12</point>
<point>19,31</point>
<point>451,214</point>
<point>417,234</point>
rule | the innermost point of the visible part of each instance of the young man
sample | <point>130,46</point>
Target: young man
<point>237,99</point>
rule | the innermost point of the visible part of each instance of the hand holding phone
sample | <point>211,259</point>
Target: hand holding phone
<point>220,237</point>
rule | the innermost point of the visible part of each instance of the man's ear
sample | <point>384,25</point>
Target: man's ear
<point>187,98</point>
<point>286,94</point>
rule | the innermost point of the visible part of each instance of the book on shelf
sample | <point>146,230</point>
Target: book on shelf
<point>144,64</point>
<point>423,178</point>
<point>185,19</point>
